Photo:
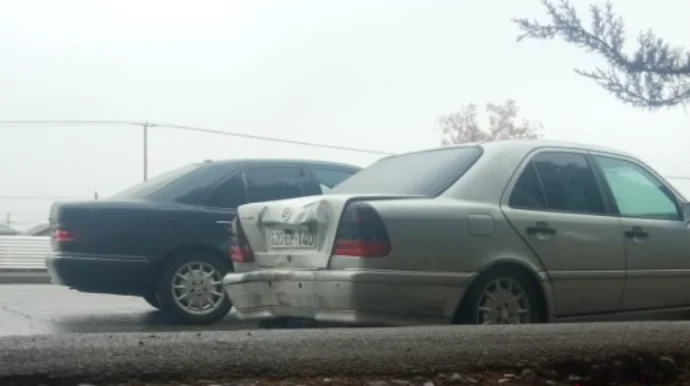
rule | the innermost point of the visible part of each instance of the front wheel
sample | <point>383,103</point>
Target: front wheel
<point>191,289</point>
<point>501,296</point>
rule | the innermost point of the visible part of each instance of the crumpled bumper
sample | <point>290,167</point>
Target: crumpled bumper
<point>347,296</point>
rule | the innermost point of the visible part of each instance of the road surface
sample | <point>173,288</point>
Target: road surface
<point>48,309</point>
<point>567,354</point>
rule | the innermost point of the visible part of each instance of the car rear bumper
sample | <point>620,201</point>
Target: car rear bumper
<point>119,275</point>
<point>348,296</point>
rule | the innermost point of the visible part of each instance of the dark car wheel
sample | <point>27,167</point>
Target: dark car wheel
<point>152,300</point>
<point>190,288</point>
<point>501,296</point>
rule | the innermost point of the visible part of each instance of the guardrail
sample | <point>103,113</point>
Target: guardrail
<point>23,253</point>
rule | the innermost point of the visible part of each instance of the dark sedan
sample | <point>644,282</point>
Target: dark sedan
<point>167,239</point>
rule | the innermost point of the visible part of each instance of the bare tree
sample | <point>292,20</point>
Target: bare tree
<point>655,75</point>
<point>462,127</point>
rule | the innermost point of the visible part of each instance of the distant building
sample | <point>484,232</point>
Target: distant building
<point>38,230</point>
<point>7,231</point>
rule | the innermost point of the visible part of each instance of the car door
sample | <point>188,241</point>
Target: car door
<point>255,184</point>
<point>657,238</point>
<point>556,205</point>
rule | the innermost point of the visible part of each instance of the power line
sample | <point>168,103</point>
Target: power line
<point>6,197</point>
<point>262,138</point>
<point>147,124</point>
<point>70,123</point>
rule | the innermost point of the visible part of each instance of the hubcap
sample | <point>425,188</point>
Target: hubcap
<point>197,288</point>
<point>503,301</point>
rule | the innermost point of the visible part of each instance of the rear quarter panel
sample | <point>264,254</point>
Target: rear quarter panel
<point>198,227</point>
<point>444,236</point>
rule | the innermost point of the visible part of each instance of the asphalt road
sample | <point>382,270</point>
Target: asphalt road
<point>27,309</point>
<point>630,349</point>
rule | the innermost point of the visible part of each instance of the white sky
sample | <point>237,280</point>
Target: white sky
<point>362,73</point>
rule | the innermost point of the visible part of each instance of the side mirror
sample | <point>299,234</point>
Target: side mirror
<point>686,212</point>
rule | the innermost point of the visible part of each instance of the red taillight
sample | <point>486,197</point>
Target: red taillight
<point>240,250</point>
<point>63,235</point>
<point>361,233</point>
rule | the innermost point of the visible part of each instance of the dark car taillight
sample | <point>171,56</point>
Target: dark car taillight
<point>61,236</point>
<point>240,250</point>
<point>361,233</point>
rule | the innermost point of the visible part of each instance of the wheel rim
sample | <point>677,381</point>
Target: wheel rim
<point>197,288</point>
<point>503,301</point>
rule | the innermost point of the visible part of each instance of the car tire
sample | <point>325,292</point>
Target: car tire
<point>152,300</point>
<point>171,296</point>
<point>469,310</point>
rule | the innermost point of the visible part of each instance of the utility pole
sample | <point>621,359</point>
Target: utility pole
<point>146,149</point>
<point>8,220</point>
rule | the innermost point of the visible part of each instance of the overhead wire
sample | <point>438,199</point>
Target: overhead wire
<point>186,128</point>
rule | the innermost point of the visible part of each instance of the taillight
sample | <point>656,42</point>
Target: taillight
<point>361,233</point>
<point>240,250</point>
<point>62,235</point>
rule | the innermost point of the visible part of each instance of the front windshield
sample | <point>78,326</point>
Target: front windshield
<point>145,188</point>
<point>425,173</point>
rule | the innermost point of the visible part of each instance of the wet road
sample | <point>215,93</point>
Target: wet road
<point>47,309</point>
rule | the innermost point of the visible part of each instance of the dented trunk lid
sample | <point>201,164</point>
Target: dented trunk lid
<point>297,233</point>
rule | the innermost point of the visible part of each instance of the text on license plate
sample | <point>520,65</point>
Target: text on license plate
<point>305,239</point>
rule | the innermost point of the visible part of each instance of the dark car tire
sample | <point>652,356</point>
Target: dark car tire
<point>164,289</point>
<point>467,313</point>
<point>152,300</point>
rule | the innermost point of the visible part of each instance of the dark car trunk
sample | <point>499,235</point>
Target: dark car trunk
<point>112,227</point>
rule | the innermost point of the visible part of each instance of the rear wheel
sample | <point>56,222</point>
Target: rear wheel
<point>190,288</point>
<point>501,296</point>
<point>152,300</point>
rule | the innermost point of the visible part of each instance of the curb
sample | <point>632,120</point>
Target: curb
<point>360,352</point>
<point>24,277</point>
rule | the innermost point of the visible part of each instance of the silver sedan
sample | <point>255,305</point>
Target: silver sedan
<point>521,231</point>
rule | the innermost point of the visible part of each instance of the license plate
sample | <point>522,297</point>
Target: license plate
<point>302,239</point>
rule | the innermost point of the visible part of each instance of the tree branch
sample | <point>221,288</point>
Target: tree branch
<point>656,74</point>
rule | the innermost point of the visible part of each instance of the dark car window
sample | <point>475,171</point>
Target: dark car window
<point>328,178</point>
<point>426,173</point>
<point>569,183</point>
<point>230,194</point>
<point>637,192</point>
<point>269,183</point>
<point>528,192</point>
<point>195,188</point>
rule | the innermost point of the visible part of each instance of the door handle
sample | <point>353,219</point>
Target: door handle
<point>540,227</point>
<point>636,233</point>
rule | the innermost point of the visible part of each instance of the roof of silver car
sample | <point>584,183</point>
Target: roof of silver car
<point>526,145</point>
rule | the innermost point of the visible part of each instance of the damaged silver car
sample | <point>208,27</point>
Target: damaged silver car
<point>518,231</point>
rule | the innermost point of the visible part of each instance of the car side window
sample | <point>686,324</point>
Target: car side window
<point>269,183</point>
<point>568,183</point>
<point>328,178</point>
<point>637,192</point>
<point>528,193</point>
<point>230,194</point>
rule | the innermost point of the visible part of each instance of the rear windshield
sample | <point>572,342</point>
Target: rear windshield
<point>426,173</point>
<point>143,189</point>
